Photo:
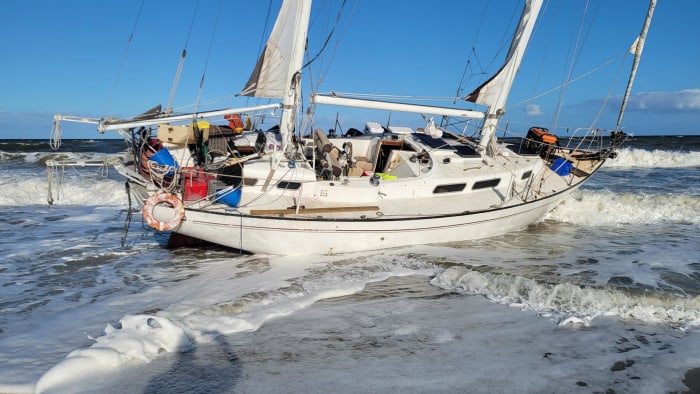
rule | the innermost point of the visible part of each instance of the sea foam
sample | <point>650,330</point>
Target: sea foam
<point>605,208</point>
<point>136,337</point>
<point>86,190</point>
<point>640,158</point>
<point>570,303</point>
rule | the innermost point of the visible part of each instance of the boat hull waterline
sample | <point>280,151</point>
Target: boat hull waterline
<point>317,236</point>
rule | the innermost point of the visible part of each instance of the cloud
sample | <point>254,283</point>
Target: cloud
<point>533,110</point>
<point>686,101</point>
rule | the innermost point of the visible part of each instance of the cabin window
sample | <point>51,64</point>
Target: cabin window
<point>250,181</point>
<point>526,175</point>
<point>486,184</point>
<point>455,187</point>
<point>289,185</point>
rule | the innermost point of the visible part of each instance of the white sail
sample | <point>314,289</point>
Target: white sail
<point>271,75</point>
<point>494,92</point>
<point>490,92</point>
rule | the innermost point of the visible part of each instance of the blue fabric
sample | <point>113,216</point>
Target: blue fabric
<point>228,196</point>
<point>562,166</point>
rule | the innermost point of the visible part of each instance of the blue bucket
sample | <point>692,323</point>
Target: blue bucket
<point>228,197</point>
<point>164,158</point>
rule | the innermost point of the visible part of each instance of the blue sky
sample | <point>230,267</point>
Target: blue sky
<point>74,57</point>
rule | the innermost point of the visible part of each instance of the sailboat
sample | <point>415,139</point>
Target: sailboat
<point>293,191</point>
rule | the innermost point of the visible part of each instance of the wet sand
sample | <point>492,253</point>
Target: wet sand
<point>692,380</point>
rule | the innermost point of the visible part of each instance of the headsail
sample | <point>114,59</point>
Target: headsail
<point>271,75</point>
<point>494,92</point>
<point>636,49</point>
<point>277,73</point>
<point>490,92</point>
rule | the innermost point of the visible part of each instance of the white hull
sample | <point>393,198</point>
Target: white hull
<point>293,236</point>
<point>445,197</point>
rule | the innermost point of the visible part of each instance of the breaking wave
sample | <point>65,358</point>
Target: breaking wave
<point>40,158</point>
<point>592,208</point>
<point>570,303</point>
<point>641,158</point>
<point>73,190</point>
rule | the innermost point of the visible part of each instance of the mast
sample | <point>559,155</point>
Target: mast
<point>278,71</point>
<point>636,49</point>
<point>291,97</point>
<point>494,92</point>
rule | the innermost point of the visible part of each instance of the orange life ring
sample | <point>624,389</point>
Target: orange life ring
<point>163,198</point>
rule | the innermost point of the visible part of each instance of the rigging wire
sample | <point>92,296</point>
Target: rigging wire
<point>201,149</point>
<point>482,71</point>
<point>546,46</point>
<point>183,55</point>
<point>505,38</point>
<point>265,27</point>
<point>123,59</point>
<point>328,38</point>
<point>574,58</point>
<point>261,46</point>
<point>308,118</point>
<point>468,64</point>
<point>570,81</point>
<point>56,132</point>
<point>607,98</point>
<point>206,61</point>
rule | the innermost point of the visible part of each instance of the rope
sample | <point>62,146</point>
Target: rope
<point>158,176</point>
<point>240,232</point>
<point>49,198</point>
<point>55,139</point>
<point>51,173</point>
<point>128,213</point>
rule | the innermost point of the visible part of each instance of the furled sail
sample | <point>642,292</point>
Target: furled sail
<point>495,91</point>
<point>270,77</point>
<point>636,50</point>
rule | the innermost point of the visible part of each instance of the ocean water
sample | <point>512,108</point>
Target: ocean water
<point>603,296</point>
